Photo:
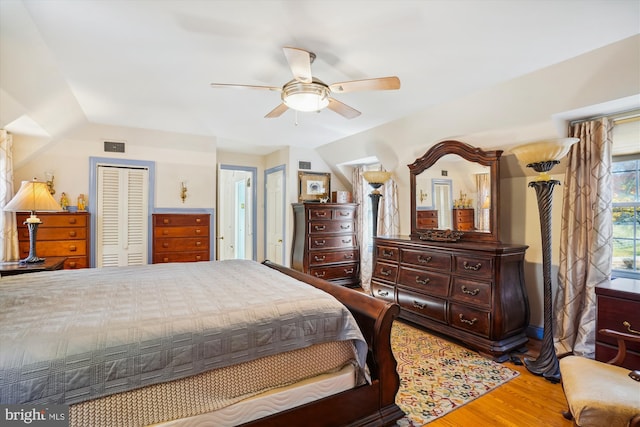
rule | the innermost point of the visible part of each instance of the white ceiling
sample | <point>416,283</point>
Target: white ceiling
<point>148,64</point>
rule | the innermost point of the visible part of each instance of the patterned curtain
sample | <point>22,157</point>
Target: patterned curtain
<point>8,228</point>
<point>361,192</point>
<point>586,237</point>
<point>388,217</point>
<point>483,188</point>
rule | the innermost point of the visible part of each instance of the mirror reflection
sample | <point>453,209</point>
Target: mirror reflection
<point>454,194</point>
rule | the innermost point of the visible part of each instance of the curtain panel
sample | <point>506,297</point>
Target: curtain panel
<point>8,225</point>
<point>586,237</point>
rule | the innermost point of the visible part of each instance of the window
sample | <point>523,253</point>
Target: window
<point>626,217</point>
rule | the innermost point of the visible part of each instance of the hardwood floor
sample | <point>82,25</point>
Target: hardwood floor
<point>528,400</point>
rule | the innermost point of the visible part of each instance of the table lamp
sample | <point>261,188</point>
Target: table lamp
<point>31,197</point>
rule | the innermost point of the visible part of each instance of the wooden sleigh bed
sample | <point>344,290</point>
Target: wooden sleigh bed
<point>99,381</point>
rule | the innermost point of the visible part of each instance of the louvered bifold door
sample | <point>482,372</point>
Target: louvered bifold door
<point>122,216</point>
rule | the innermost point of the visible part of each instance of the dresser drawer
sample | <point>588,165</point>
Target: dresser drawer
<point>322,242</point>
<point>57,248</point>
<point>469,319</point>
<point>383,291</point>
<point>474,266</point>
<point>180,244</point>
<point>424,281</point>
<point>431,307</point>
<point>472,292</point>
<point>427,222</point>
<point>56,220</point>
<point>159,258</point>
<point>387,253</point>
<point>344,271</point>
<point>426,259</point>
<point>72,263</point>
<point>317,227</point>
<point>612,312</point>
<point>343,213</point>
<point>384,271</point>
<point>320,213</point>
<point>180,219</point>
<point>181,231</point>
<point>57,233</point>
<point>328,257</point>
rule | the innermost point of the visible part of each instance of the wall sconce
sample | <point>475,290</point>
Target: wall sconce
<point>423,196</point>
<point>183,191</point>
<point>49,180</point>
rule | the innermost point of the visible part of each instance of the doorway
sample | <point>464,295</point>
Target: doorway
<point>443,202</point>
<point>274,218</point>
<point>237,200</point>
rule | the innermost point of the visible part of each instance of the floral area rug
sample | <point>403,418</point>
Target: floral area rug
<point>437,376</point>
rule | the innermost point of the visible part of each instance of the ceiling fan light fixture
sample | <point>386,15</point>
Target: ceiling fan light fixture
<point>305,97</point>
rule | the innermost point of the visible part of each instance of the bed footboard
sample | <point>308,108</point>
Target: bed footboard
<point>368,405</point>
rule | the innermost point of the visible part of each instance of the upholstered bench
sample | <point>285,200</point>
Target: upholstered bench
<point>601,394</point>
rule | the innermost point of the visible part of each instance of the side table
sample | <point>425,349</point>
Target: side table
<point>49,264</point>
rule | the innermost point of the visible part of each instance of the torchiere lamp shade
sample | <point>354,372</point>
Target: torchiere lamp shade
<point>33,196</point>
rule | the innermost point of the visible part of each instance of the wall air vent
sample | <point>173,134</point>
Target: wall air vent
<point>304,165</point>
<point>113,147</point>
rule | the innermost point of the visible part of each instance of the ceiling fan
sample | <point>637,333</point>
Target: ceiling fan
<point>308,93</point>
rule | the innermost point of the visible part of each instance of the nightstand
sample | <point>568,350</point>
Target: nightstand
<point>50,263</point>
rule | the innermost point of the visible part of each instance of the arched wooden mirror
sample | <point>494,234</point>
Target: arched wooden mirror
<point>455,193</point>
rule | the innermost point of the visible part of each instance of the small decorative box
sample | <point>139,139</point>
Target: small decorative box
<point>341,197</point>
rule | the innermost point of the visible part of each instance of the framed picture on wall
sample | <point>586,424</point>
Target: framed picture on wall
<point>313,186</point>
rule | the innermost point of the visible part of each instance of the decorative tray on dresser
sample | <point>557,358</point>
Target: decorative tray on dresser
<point>473,292</point>
<point>618,307</point>
<point>325,243</point>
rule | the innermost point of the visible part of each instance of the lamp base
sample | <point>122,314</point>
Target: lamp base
<point>33,231</point>
<point>31,260</point>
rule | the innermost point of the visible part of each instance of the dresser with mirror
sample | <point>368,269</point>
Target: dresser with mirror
<point>456,278</point>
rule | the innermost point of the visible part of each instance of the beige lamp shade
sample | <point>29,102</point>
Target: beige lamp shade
<point>31,197</point>
<point>376,177</point>
<point>543,155</point>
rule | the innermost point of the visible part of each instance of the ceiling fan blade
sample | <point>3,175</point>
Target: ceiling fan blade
<point>225,85</point>
<point>300,63</point>
<point>381,83</point>
<point>277,112</point>
<point>342,109</point>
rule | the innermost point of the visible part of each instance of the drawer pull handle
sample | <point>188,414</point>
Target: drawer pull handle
<point>198,220</point>
<point>319,258</point>
<point>421,306</point>
<point>383,293</point>
<point>165,232</point>
<point>198,244</point>
<point>424,260</point>
<point>165,259</point>
<point>72,234</point>
<point>344,213</point>
<point>320,274</point>
<point>474,292</point>
<point>319,227</point>
<point>384,272</point>
<point>73,248</point>
<point>476,267</point>
<point>165,244</point>
<point>348,256</point>
<point>198,257</point>
<point>628,325</point>
<point>72,264</point>
<point>72,220</point>
<point>420,281</point>
<point>349,271</point>
<point>346,241</point>
<point>345,227</point>
<point>386,253</point>
<point>319,242</point>
<point>320,214</point>
<point>198,231</point>
<point>468,322</point>
<point>165,221</point>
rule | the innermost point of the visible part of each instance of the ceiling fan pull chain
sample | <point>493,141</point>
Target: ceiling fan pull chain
<point>296,113</point>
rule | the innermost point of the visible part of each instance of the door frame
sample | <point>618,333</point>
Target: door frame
<point>254,203</point>
<point>93,197</point>
<point>282,169</point>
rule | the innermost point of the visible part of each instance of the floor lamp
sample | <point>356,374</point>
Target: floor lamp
<point>31,197</point>
<point>376,179</point>
<point>542,156</point>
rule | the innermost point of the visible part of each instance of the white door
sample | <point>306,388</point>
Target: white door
<point>274,211</point>
<point>121,216</point>
<point>236,213</point>
<point>442,202</point>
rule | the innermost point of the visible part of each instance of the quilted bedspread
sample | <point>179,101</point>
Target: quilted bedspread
<point>74,335</point>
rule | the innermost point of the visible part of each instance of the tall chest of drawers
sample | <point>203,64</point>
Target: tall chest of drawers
<point>325,243</point>
<point>61,234</point>
<point>463,219</point>
<point>473,292</point>
<point>181,238</point>
<point>618,308</point>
